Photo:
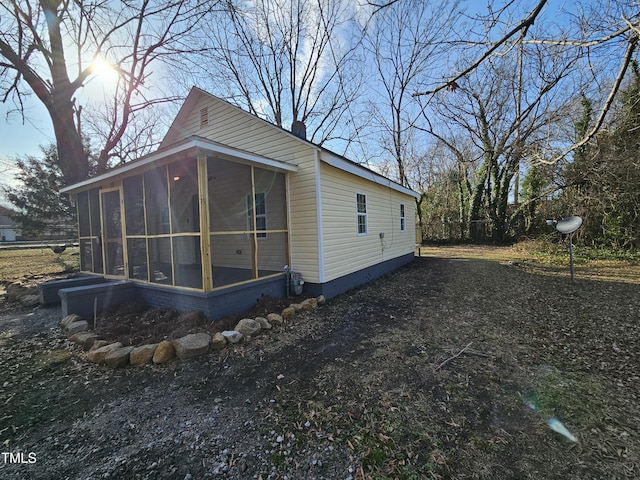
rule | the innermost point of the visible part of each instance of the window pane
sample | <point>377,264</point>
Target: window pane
<point>229,185</point>
<point>187,260</point>
<point>232,258</point>
<point>272,254</point>
<point>94,212</point>
<point>86,257</point>
<point>362,224</point>
<point>261,208</point>
<point>160,260</point>
<point>261,217</point>
<point>183,178</point>
<point>361,203</point>
<point>112,233</point>
<point>155,188</point>
<point>137,250</point>
<point>275,206</point>
<point>97,255</point>
<point>84,228</point>
<point>134,205</point>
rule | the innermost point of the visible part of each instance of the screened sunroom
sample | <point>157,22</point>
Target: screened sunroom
<point>203,217</point>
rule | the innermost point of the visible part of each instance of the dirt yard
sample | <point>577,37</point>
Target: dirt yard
<point>450,368</point>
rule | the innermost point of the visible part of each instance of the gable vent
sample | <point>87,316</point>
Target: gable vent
<point>204,117</point>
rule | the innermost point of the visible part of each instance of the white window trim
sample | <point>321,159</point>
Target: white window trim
<point>403,217</point>
<point>362,214</point>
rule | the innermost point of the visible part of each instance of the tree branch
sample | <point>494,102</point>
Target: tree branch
<point>521,27</point>
<point>631,47</point>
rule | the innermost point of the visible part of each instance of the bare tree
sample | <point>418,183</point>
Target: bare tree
<point>600,32</point>
<point>405,40</point>
<point>508,120</point>
<point>48,49</point>
<point>288,61</point>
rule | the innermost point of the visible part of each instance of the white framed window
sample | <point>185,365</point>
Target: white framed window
<point>261,214</point>
<point>361,212</point>
<point>403,219</point>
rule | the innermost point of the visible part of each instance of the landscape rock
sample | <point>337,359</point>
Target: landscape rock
<point>16,292</point>
<point>98,355</point>
<point>30,300</point>
<point>321,300</point>
<point>99,344</point>
<point>232,336</point>
<point>275,318</point>
<point>142,355</point>
<point>296,306</point>
<point>248,327</point>
<point>264,323</point>
<point>310,304</point>
<point>288,313</point>
<point>192,345</point>
<point>118,357</point>
<point>165,351</point>
<point>77,327</point>
<point>84,339</point>
<point>70,319</point>
<point>218,342</point>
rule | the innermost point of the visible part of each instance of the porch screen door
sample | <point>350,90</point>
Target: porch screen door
<point>112,232</point>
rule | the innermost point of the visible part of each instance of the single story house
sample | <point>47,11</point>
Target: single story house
<point>9,231</point>
<point>229,203</point>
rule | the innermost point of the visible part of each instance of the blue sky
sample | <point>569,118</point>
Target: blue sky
<point>18,139</point>
<point>21,139</point>
<point>24,139</point>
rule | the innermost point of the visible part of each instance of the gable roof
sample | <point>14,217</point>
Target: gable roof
<point>174,142</point>
<point>327,156</point>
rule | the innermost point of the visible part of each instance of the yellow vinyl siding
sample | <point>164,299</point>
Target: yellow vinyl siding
<point>235,128</point>
<point>303,229</point>
<point>346,251</point>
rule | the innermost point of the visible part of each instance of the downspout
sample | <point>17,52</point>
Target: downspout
<point>321,275</point>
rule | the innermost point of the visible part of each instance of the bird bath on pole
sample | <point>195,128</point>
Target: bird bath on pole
<point>566,226</point>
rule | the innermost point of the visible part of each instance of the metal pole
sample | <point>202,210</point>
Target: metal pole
<point>571,255</point>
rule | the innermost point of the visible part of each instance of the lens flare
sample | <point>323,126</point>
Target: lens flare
<point>557,426</point>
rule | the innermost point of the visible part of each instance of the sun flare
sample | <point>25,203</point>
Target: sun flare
<point>103,70</point>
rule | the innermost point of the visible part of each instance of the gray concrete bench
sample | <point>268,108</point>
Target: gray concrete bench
<point>48,291</point>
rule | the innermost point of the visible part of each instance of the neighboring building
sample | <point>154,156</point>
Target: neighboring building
<point>8,228</point>
<point>210,220</point>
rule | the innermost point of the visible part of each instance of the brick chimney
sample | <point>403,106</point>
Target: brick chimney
<point>299,130</point>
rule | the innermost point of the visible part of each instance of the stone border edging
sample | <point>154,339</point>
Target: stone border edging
<point>116,355</point>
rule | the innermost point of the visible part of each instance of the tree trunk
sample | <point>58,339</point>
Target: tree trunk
<point>72,158</point>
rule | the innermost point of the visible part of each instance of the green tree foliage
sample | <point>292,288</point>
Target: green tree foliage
<point>603,179</point>
<point>535,190</point>
<point>442,213</point>
<point>41,208</point>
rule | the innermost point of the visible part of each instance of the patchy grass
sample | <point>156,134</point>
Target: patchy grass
<point>551,258</point>
<point>35,263</point>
